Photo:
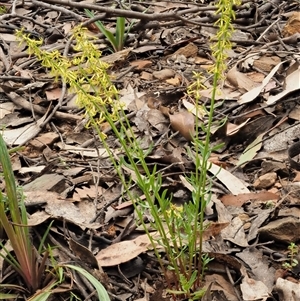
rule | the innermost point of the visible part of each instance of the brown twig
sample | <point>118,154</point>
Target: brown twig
<point>132,14</point>
<point>23,103</point>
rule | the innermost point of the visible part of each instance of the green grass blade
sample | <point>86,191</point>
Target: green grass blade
<point>8,296</point>
<point>11,188</point>
<point>120,31</point>
<point>101,291</point>
<point>16,226</point>
<point>41,297</point>
<point>111,38</point>
<point>41,245</point>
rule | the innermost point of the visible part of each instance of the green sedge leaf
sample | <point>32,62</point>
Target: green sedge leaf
<point>41,297</point>
<point>8,296</point>
<point>120,31</point>
<point>112,40</point>
<point>101,291</point>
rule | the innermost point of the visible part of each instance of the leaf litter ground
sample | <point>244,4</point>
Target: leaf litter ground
<point>66,174</point>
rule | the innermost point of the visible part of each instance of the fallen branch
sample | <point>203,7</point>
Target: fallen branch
<point>129,13</point>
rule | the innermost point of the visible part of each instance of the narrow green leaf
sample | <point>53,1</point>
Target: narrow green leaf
<point>41,297</point>
<point>18,235</point>
<point>120,31</point>
<point>112,40</point>
<point>101,291</point>
<point>8,296</point>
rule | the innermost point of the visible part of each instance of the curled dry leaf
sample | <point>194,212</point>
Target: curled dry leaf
<point>291,83</point>
<point>184,123</point>
<point>240,80</point>
<point>232,129</point>
<point>253,93</point>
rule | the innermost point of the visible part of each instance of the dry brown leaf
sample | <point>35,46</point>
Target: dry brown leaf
<point>117,56</point>
<point>141,64</point>
<point>184,123</point>
<point>190,50</point>
<point>175,81</point>
<point>123,251</point>
<point>213,230</point>
<point>53,94</point>
<point>146,76</point>
<point>157,119</point>
<point>266,63</point>
<point>256,76</point>
<point>83,253</point>
<point>292,26</point>
<point>165,110</point>
<point>203,61</point>
<point>163,74</point>
<point>240,80</point>
<point>240,199</point>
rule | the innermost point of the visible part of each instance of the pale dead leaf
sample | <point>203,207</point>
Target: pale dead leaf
<point>233,184</point>
<point>67,28</point>
<point>253,93</point>
<point>291,84</point>
<point>123,251</point>
<point>203,61</point>
<point>251,151</point>
<point>234,128</point>
<point>288,290</point>
<point>190,50</point>
<point>31,169</point>
<point>85,152</point>
<point>256,76</point>
<point>146,76</point>
<point>23,73</point>
<point>79,214</point>
<point>147,48</point>
<point>197,110</point>
<point>87,193</point>
<point>164,74</point>
<point>6,108</point>
<point>40,197</point>
<point>295,113</point>
<point>253,289</point>
<point>23,134</point>
<point>37,218</point>
<point>131,99</point>
<point>7,37</point>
